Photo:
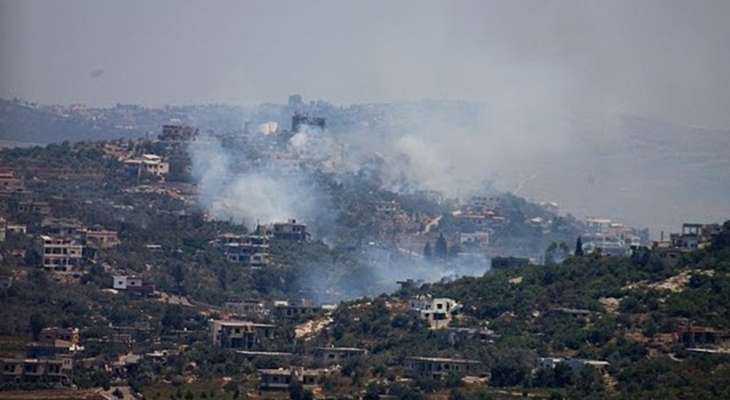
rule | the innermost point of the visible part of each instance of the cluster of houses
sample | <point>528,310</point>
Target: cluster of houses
<point>616,239</point>
<point>62,245</point>
<point>692,237</point>
<point>65,245</point>
<point>611,238</point>
<point>254,249</point>
<point>246,337</point>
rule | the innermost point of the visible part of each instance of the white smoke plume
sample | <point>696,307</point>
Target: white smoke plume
<point>231,189</point>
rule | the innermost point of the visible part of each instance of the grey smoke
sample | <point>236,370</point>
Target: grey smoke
<point>231,190</point>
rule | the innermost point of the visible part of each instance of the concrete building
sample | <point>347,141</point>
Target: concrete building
<point>574,363</point>
<point>479,238</point>
<point>248,308</point>
<point>291,309</point>
<point>34,207</point>
<point>154,165</point>
<point>298,121</point>
<point>290,230</point>
<point>606,244</point>
<point>252,250</point>
<point>102,238</point>
<point>439,368</point>
<point>124,282</point>
<point>68,227</point>
<point>240,334</point>
<point>178,133</point>
<point>694,236</point>
<point>9,183</point>
<point>58,370</point>
<point>437,312</point>
<point>16,229</point>
<point>336,355</point>
<point>148,164</point>
<point>53,334</point>
<point>60,253</point>
<point>283,378</point>
<point>295,102</point>
<point>695,335</point>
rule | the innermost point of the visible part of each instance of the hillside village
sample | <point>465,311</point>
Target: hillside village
<point>117,283</point>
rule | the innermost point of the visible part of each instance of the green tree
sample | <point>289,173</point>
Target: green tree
<point>427,251</point>
<point>441,249</point>
<point>579,247</point>
<point>37,323</point>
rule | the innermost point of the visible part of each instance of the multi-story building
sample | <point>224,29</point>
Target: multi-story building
<point>292,309</point>
<point>57,370</point>
<point>62,227</point>
<point>60,253</point>
<point>694,236</point>
<point>149,164</point>
<point>437,312</point>
<point>240,334</point>
<point>290,230</point>
<point>9,183</point>
<point>253,250</point>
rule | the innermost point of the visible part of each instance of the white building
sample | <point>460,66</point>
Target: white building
<point>438,312</point>
<point>573,363</point>
<point>124,282</point>
<point>150,164</point>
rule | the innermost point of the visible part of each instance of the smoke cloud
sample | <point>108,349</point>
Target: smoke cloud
<point>232,188</point>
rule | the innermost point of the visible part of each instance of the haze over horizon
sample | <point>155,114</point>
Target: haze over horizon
<point>665,60</point>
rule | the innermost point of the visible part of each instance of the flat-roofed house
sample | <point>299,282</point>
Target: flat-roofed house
<point>338,354</point>
<point>440,367</point>
<point>240,334</point>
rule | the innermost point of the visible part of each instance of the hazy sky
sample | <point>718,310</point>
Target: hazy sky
<point>664,59</point>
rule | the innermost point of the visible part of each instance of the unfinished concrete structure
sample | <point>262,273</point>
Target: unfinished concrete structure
<point>60,253</point>
<point>437,312</point>
<point>290,230</point>
<point>336,355</point>
<point>283,309</point>
<point>240,334</point>
<point>283,378</point>
<point>439,367</point>
<point>252,250</point>
<point>58,370</point>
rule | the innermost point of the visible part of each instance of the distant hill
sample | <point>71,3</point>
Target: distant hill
<point>27,124</point>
